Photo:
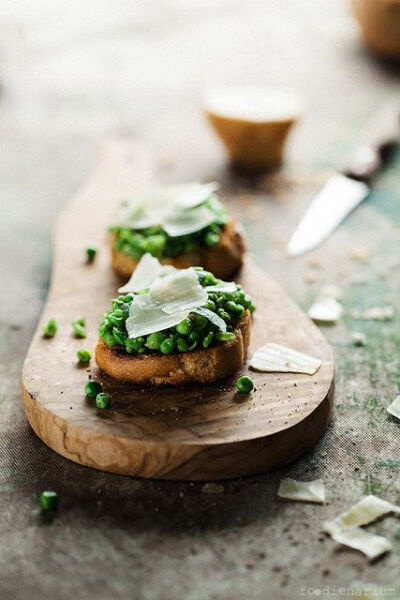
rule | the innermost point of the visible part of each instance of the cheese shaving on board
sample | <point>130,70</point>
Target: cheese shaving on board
<point>274,358</point>
<point>326,310</point>
<point>302,491</point>
<point>394,408</point>
<point>178,209</point>
<point>367,510</point>
<point>368,543</point>
<point>147,271</point>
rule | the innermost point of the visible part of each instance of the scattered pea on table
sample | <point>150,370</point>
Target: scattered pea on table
<point>48,500</point>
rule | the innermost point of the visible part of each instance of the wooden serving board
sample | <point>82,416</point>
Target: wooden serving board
<point>196,432</point>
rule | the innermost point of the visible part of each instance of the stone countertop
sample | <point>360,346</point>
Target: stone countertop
<point>75,73</point>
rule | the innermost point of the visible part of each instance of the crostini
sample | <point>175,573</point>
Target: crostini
<point>173,326</point>
<point>182,225</point>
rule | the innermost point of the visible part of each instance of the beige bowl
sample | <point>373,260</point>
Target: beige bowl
<point>380,25</point>
<point>253,123</point>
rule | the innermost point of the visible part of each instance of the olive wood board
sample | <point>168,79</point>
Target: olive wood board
<point>198,432</point>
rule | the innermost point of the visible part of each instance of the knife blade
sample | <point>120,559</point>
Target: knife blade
<point>347,189</point>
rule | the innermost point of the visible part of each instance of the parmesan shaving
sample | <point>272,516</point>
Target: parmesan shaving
<point>394,408</point>
<point>227,287</point>
<point>178,209</point>
<point>274,358</point>
<point>188,221</point>
<point>178,291</point>
<point>384,313</point>
<point>326,310</point>
<point>212,317</point>
<point>170,299</point>
<point>369,544</point>
<point>302,491</point>
<point>147,271</point>
<point>145,318</point>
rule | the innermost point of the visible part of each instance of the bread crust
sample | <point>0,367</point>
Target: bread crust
<point>223,260</point>
<point>201,366</point>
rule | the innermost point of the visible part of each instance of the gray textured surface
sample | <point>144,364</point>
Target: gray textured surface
<point>75,72</point>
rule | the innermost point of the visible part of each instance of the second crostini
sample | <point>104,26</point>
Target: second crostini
<point>182,225</point>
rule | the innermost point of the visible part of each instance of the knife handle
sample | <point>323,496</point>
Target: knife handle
<point>381,133</point>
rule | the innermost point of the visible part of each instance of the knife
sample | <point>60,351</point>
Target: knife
<point>345,190</point>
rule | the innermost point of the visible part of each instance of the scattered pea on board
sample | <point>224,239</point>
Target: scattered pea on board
<point>244,384</point>
<point>50,329</point>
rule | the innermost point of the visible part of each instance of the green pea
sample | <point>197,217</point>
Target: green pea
<point>91,254</point>
<point>115,320</point>
<point>154,244</point>
<point>208,339</point>
<point>83,356</point>
<point>210,279</point>
<point>244,384</point>
<point>80,321</point>
<point>134,344</point>
<point>233,308</point>
<point>119,336</point>
<point>247,301</point>
<point>127,298</point>
<point>167,346</point>
<point>210,305</point>
<point>103,400</point>
<point>154,340</point>
<point>109,339</point>
<point>185,326</point>
<point>211,239</point>
<point>50,329</point>
<point>194,336</point>
<point>79,330</point>
<point>200,322</point>
<point>48,500</point>
<point>92,389</point>
<point>252,307</point>
<point>182,345</point>
<point>224,315</point>
<point>225,336</point>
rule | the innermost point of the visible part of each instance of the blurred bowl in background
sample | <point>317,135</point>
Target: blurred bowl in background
<point>380,25</point>
<point>253,123</point>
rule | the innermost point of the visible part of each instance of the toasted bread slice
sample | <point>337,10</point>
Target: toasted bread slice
<point>202,366</point>
<point>223,260</point>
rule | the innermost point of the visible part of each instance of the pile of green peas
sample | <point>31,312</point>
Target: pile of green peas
<point>155,241</point>
<point>195,331</point>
